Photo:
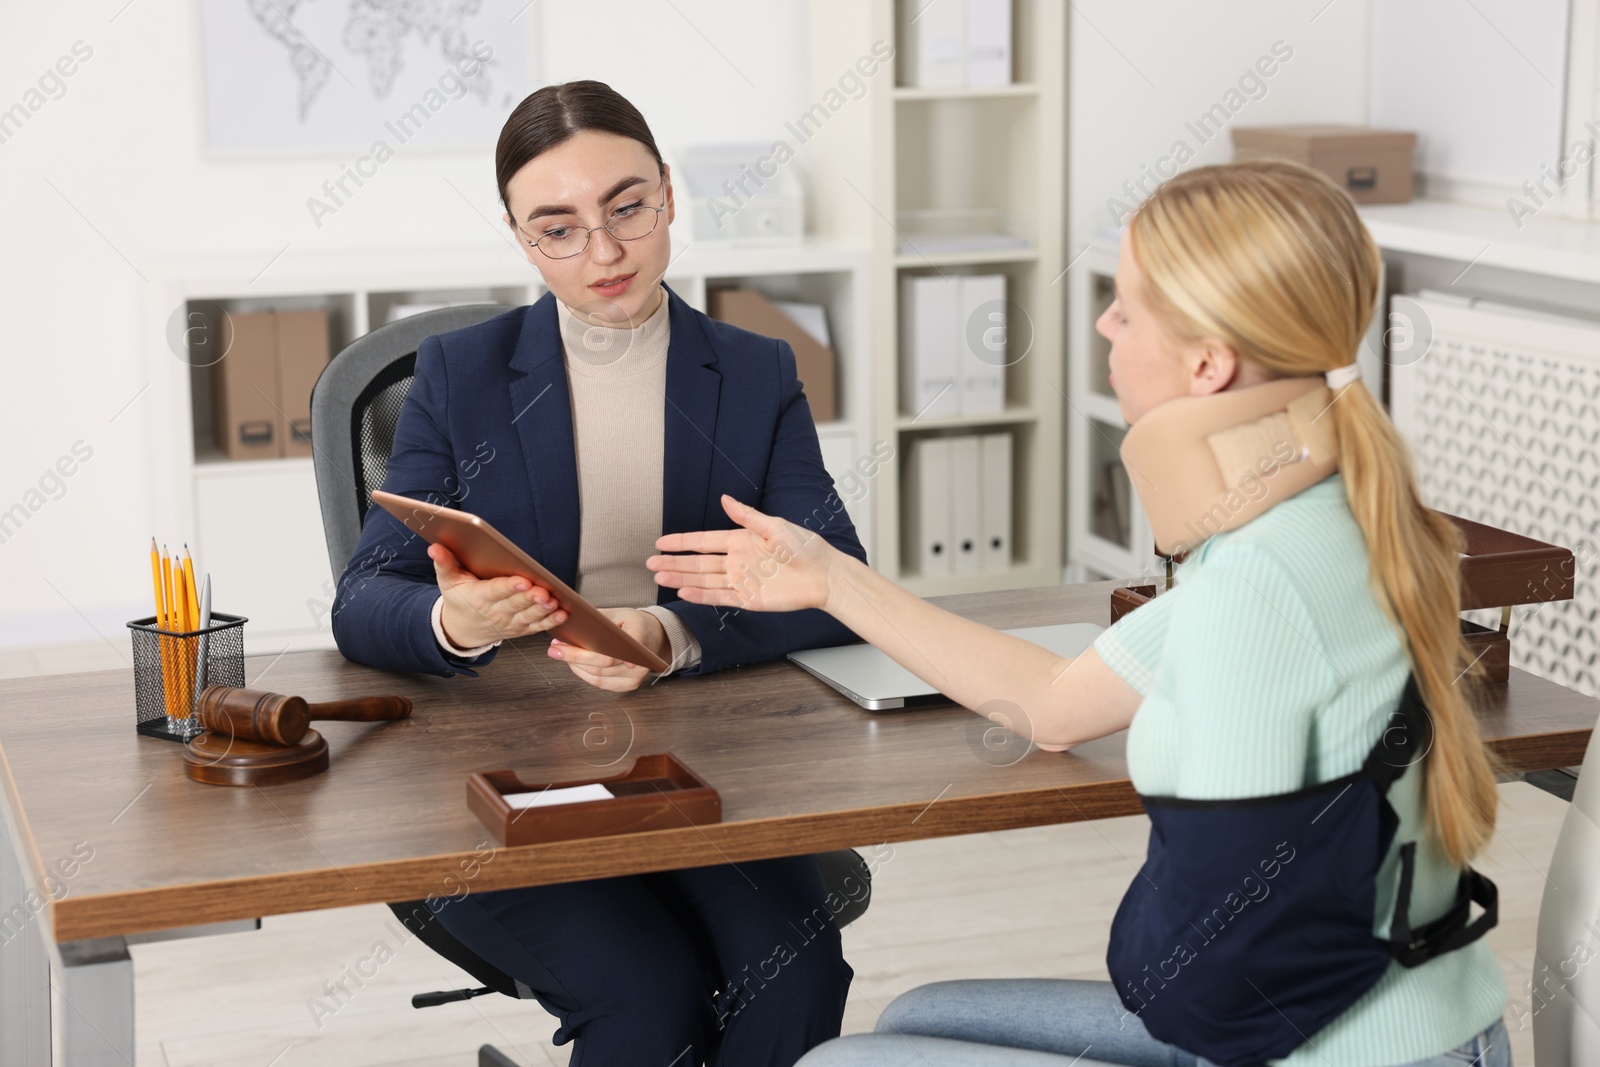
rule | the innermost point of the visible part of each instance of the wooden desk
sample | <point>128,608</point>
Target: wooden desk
<point>800,769</point>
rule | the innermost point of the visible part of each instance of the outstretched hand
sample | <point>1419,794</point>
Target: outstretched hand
<point>769,564</point>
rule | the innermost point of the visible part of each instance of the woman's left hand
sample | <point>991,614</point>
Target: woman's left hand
<point>608,672</point>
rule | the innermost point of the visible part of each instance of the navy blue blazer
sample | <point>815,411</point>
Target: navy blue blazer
<point>487,428</point>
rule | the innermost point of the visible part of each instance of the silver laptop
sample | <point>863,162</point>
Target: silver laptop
<point>878,683</point>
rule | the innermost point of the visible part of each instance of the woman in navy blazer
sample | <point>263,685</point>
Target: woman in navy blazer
<point>728,965</point>
<point>487,428</point>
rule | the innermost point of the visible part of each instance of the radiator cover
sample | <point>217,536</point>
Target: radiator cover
<point>1501,409</point>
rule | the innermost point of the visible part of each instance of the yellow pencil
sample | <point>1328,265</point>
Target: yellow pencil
<point>168,657</point>
<point>155,579</point>
<point>162,646</point>
<point>191,596</point>
<point>190,592</point>
<point>180,589</point>
<point>180,592</point>
<point>166,587</point>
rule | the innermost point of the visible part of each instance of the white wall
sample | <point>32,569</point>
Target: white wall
<point>1140,71</point>
<point>111,177</point>
<point>1485,94</point>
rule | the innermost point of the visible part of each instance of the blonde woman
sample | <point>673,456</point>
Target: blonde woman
<point>1313,773</point>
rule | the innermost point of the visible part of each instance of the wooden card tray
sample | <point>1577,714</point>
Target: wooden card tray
<point>658,793</point>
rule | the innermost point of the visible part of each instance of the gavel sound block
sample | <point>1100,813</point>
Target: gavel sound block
<point>254,737</point>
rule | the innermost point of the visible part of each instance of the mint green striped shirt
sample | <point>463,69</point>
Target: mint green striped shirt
<point>1270,667</point>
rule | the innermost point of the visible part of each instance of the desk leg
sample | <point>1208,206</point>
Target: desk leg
<point>24,966</point>
<point>96,1003</point>
<point>97,1022</point>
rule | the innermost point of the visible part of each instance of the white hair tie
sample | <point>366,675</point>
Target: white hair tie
<point>1340,377</point>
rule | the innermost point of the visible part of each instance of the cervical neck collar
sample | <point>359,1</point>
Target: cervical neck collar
<point>1205,464</point>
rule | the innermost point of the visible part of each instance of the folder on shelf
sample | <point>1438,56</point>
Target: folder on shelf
<point>302,355</point>
<point>246,387</point>
<point>982,344</point>
<point>988,42</point>
<point>262,387</point>
<point>927,510</point>
<point>966,504</point>
<point>812,318</point>
<point>995,473</point>
<point>930,343</point>
<point>933,43</point>
<point>753,310</point>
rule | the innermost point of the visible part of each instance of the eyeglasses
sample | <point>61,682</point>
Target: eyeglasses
<point>628,223</point>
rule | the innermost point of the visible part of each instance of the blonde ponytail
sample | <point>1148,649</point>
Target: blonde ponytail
<point>1272,258</point>
<point>1415,555</point>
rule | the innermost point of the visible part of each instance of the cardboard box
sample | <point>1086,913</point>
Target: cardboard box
<point>262,386</point>
<point>751,310</point>
<point>1373,166</point>
<point>302,355</point>
<point>246,387</point>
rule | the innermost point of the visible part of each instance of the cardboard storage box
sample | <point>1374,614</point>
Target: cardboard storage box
<point>1373,166</point>
<point>750,309</point>
<point>262,386</point>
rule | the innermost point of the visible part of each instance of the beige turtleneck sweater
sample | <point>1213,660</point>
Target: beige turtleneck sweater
<point>617,378</point>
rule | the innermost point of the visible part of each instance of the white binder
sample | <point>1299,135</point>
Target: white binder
<point>933,42</point>
<point>995,465</point>
<point>988,42</point>
<point>966,504</point>
<point>928,507</point>
<point>930,340</point>
<point>982,344</point>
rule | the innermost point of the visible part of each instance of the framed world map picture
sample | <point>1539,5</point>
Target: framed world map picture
<point>368,76</point>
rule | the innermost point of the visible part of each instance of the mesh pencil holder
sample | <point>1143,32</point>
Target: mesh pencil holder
<point>168,675</point>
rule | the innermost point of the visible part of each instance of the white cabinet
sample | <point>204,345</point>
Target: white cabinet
<point>259,535</point>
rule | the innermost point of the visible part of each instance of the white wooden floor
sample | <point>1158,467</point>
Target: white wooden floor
<point>1025,903</point>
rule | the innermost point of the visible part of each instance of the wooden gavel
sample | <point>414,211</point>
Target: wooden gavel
<point>275,719</point>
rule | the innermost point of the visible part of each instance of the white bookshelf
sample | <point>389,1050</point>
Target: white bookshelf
<point>256,525</point>
<point>1002,148</point>
<point>1108,535</point>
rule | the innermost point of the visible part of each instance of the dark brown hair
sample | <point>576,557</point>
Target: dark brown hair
<point>551,115</point>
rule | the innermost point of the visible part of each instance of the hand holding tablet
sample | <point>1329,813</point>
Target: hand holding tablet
<point>477,611</point>
<point>487,554</point>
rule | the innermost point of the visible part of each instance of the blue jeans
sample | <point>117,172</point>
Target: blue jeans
<point>1038,1022</point>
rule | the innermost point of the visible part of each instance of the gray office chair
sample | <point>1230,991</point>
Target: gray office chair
<point>1566,977</point>
<point>355,406</point>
